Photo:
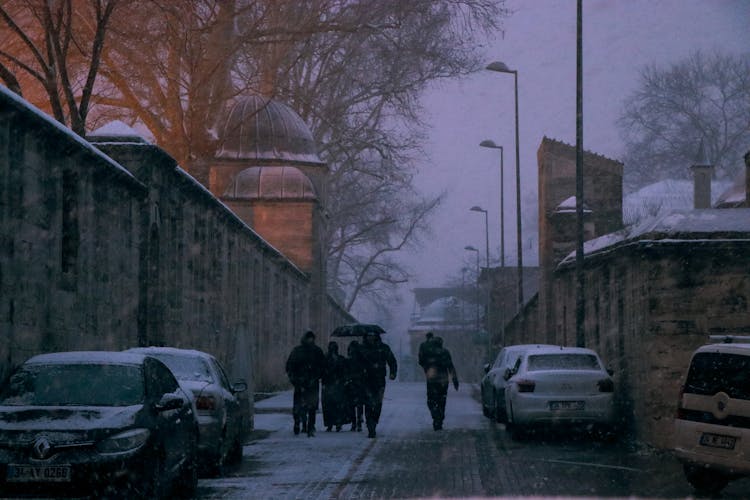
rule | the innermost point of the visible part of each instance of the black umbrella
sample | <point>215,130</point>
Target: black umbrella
<point>356,330</point>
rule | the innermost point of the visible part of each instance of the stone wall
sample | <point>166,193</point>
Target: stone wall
<point>69,241</point>
<point>648,307</point>
<point>97,256</point>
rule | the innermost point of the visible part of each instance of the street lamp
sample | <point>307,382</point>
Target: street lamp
<point>472,249</point>
<point>500,67</point>
<point>477,208</point>
<point>489,143</point>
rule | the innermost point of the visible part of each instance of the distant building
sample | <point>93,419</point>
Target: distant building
<point>455,314</point>
<point>654,291</point>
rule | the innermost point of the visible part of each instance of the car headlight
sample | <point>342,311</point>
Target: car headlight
<point>124,441</point>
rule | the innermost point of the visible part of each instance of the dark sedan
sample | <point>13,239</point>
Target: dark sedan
<point>96,422</point>
<point>220,413</point>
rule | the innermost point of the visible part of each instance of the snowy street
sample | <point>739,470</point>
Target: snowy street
<point>471,457</point>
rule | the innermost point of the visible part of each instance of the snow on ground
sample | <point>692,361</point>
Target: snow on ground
<point>283,465</point>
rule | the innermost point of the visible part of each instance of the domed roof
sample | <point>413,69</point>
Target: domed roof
<point>271,183</point>
<point>446,310</point>
<point>258,128</point>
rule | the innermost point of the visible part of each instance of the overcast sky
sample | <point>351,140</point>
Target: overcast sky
<point>620,36</point>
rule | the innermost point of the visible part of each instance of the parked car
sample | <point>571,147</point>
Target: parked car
<point>93,421</point>
<point>559,385</point>
<point>219,410</point>
<point>494,382</point>
<point>712,426</point>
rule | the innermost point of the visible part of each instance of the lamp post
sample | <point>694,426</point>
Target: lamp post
<point>500,67</point>
<point>489,143</point>
<point>477,208</point>
<point>472,249</point>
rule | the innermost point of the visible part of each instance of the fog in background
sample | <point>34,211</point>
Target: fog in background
<point>619,37</point>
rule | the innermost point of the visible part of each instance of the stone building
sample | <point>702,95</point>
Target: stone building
<point>602,187</point>
<point>109,244</point>
<point>653,293</point>
<point>456,315</point>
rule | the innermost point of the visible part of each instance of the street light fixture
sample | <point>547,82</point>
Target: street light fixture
<point>489,143</point>
<point>500,67</point>
<point>476,250</point>
<point>477,208</point>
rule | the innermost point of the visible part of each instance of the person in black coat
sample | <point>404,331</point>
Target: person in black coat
<point>438,367</point>
<point>424,347</point>
<point>335,411</point>
<point>305,367</point>
<point>354,388</point>
<point>375,356</point>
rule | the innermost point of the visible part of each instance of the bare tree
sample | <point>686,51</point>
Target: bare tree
<point>359,88</point>
<point>354,70</point>
<point>704,98</point>
<point>58,45</point>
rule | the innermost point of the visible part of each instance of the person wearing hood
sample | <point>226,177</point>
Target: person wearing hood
<point>375,356</point>
<point>305,367</point>
<point>354,388</point>
<point>335,411</point>
<point>438,370</point>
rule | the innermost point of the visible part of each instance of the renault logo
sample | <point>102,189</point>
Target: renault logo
<point>41,448</point>
<point>721,405</point>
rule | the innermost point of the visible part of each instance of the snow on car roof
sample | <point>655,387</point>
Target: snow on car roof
<point>88,357</point>
<point>174,351</point>
<point>561,350</point>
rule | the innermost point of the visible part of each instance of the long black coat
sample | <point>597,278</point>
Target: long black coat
<point>375,357</point>
<point>305,367</point>
<point>335,408</point>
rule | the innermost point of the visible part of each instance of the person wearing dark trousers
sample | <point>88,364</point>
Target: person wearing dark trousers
<point>353,385</point>
<point>305,367</point>
<point>335,408</point>
<point>439,369</point>
<point>375,357</point>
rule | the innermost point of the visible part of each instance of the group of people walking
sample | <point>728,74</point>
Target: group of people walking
<point>353,386</point>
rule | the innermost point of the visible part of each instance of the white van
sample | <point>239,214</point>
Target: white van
<point>712,425</point>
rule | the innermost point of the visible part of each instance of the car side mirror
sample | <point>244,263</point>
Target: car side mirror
<point>169,401</point>
<point>239,386</point>
<point>507,374</point>
<point>611,372</point>
<point>486,368</point>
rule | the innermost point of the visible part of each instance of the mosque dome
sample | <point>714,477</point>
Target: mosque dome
<point>270,183</point>
<point>257,128</point>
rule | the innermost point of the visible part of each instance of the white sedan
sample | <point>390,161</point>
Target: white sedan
<point>559,385</point>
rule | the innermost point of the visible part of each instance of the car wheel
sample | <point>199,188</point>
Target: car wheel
<point>501,415</point>
<point>705,481</point>
<point>152,484</point>
<point>234,455</point>
<point>187,481</point>
<point>486,411</point>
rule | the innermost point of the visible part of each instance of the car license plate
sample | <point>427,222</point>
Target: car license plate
<point>567,405</point>
<point>718,441</point>
<point>38,473</point>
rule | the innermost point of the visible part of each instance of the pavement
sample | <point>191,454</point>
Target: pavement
<point>471,458</point>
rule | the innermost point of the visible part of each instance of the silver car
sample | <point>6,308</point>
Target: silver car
<point>494,382</point>
<point>559,385</point>
<point>216,402</point>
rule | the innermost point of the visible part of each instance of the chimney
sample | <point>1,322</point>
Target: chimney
<point>702,171</point>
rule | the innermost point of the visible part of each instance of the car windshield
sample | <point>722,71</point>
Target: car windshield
<point>563,362</point>
<point>713,372</point>
<point>186,367</point>
<point>75,385</point>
